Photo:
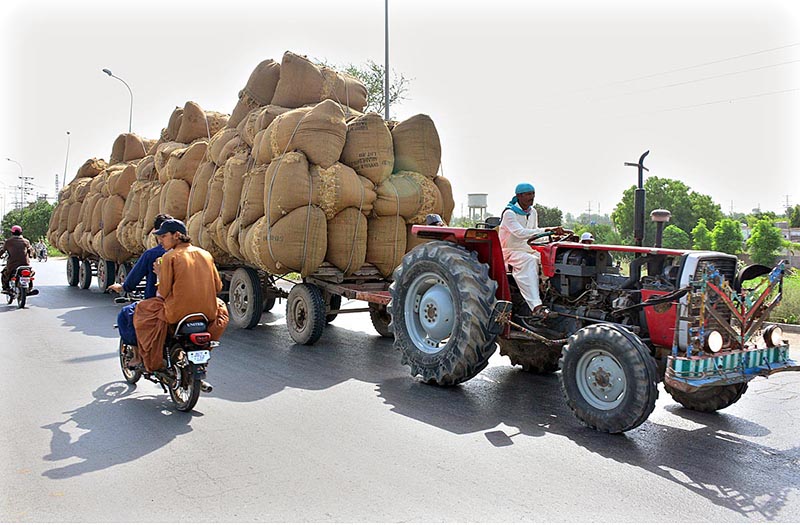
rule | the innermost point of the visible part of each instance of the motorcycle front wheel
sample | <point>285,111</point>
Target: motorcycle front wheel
<point>185,390</point>
<point>125,356</point>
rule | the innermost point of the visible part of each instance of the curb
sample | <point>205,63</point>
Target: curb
<point>789,328</point>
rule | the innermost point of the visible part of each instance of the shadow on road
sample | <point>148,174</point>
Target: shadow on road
<point>713,461</point>
<point>114,429</point>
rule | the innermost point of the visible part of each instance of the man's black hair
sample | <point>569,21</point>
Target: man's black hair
<point>161,217</point>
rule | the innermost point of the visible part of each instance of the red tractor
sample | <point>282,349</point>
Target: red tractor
<point>686,318</point>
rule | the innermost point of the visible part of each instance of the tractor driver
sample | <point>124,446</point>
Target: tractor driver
<point>519,223</point>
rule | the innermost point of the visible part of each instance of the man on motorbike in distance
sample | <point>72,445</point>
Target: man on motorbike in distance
<point>19,252</point>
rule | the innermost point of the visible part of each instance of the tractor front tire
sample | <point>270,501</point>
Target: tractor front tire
<point>441,306</point>
<point>708,399</point>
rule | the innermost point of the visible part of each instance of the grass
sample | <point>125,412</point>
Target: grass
<point>789,309</point>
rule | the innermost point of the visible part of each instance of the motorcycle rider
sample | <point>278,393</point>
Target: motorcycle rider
<point>19,252</point>
<point>519,222</point>
<point>40,248</point>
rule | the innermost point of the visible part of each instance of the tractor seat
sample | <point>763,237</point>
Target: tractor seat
<point>489,223</point>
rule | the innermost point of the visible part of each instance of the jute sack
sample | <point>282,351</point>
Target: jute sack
<point>112,213</point>
<point>303,82</point>
<point>63,217</point>
<point>416,146</point>
<point>431,197</point>
<point>197,194</point>
<point>174,199</point>
<point>64,194</point>
<point>144,199</point>
<point>386,243</point>
<point>258,120</point>
<point>196,123</point>
<point>133,201</point>
<point>214,197</point>
<point>93,213</point>
<point>74,216</point>
<point>91,168</point>
<point>251,205</point>
<point>258,91</point>
<point>153,206</point>
<point>412,241</point>
<point>96,186</point>
<point>368,148</point>
<point>347,240</point>
<point>218,142</point>
<point>170,133</point>
<point>120,183</point>
<point>73,248</point>
<point>340,187</point>
<point>319,132</point>
<point>193,227</point>
<point>77,237</point>
<point>63,242</point>
<point>232,240</point>
<point>210,245</point>
<point>267,115</point>
<point>80,188</point>
<point>288,185</point>
<point>219,232</point>
<point>297,242</point>
<point>127,147</point>
<point>398,195</point>
<point>112,249</point>
<point>183,162</point>
<point>446,192</point>
<point>162,155</point>
<point>244,245</point>
<point>124,237</point>
<point>145,170</point>
<point>95,244</point>
<point>235,169</point>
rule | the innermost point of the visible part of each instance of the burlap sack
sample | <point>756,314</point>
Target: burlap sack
<point>80,188</point>
<point>193,227</point>
<point>145,170</point>
<point>170,133</point>
<point>232,240</point>
<point>289,184</point>
<point>319,132</point>
<point>347,240</point>
<point>112,249</point>
<point>95,243</point>
<point>258,91</point>
<point>446,192</point>
<point>112,213</point>
<point>386,243</point>
<point>430,196</point>
<point>196,123</point>
<point>162,155</point>
<point>368,148</point>
<point>128,237</point>
<point>218,142</point>
<point>410,195</point>
<point>93,213</point>
<point>120,182</point>
<point>197,194</point>
<point>340,187</point>
<point>245,240</point>
<point>416,146</point>
<point>153,207</point>
<point>234,171</point>
<point>207,242</point>
<point>127,147</point>
<point>63,217</point>
<point>303,82</point>
<point>174,199</point>
<point>74,216</point>
<point>214,197</point>
<point>72,246</point>
<point>251,205</point>
<point>183,162</point>
<point>247,127</point>
<point>219,232</point>
<point>63,243</point>
<point>64,194</point>
<point>133,201</point>
<point>267,115</point>
<point>412,241</point>
<point>144,199</point>
<point>91,168</point>
<point>97,183</point>
<point>297,242</point>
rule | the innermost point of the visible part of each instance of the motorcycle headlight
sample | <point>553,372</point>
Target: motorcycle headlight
<point>714,341</point>
<point>773,335</point>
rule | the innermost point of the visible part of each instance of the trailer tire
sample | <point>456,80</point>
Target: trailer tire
<point>123,269</point>
<point>106,274</point>
<point>533,357</point>
<point>441,306</point>
<point>244,298</point>
<point>381,320</point>
<point>269,301</point>
<point>334,302</point>
<point>305,313</point>
<point>608,378</point>
<point>73,270</point>
<point>709,399</point>
<point>85,274</point>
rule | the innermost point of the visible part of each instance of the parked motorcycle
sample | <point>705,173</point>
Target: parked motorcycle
<point>187,352</point>
<point>21,286</point>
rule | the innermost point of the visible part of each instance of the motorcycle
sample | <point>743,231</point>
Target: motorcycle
<point>186,352</point>
<point>42,256</point>
<point>21,286</point>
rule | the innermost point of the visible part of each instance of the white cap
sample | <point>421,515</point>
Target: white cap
<point>587,236</point>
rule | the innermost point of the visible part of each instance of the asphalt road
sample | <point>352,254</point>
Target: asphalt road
<point>340,432</point>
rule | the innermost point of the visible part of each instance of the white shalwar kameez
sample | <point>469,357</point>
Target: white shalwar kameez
<point>514,232</point>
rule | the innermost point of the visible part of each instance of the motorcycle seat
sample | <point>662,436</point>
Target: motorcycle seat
<point>192,324</point>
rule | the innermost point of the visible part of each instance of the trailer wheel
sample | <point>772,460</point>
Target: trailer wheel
<point>106,273</point>
<point>73,270</point>
<point>269,301</point>
<point>381,319</point>
<point>709,399</point>
<point>608,378</point>
<point>85,274</point>
<point>441,306</point>
<point>334,302</point>
<point>123,269</point>
<point>244,298</point>
<point>533,357</point>
<point>305,313</point>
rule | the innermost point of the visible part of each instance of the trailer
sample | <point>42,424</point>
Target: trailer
<point>82,268</point>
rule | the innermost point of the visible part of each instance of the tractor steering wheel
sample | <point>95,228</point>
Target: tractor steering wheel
<point>552,237</point>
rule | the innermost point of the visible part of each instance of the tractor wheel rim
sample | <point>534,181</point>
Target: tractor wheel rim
<point>429,312</point>
<point>601,379</point>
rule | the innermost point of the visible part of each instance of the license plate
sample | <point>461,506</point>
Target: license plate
<point>23,281</point>
<point>199,357</point>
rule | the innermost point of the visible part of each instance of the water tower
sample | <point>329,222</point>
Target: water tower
<point>476,202</point>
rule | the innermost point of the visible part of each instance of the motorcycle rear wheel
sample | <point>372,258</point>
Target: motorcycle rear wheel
<point>185,391</point>
<point>22,296</point>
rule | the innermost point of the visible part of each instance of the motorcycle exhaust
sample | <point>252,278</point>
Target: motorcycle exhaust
<point>205,387</point>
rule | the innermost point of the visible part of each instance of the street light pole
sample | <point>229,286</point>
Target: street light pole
<point>130,117</point>
<point>66,159</point>
<point>22,183</point>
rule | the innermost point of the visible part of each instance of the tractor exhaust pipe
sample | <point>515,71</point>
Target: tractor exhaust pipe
<point>639,201</point>
<point>660,217</point>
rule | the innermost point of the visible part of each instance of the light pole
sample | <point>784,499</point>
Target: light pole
<point>22,183</point>
<point>66,159</point>
<point>130,117</point>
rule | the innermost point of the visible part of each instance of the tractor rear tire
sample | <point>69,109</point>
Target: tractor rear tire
<point>441,306</point>
<point>709,399</point>
<point>533,357</point>
<point>609,378</point>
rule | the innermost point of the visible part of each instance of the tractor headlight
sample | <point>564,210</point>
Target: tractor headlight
<point>773,335</point>
<point>714,341</point>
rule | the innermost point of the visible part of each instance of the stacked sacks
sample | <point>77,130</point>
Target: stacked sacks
<point>258,91</point>
<point>61,228</point>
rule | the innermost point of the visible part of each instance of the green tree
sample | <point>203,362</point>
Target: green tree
<point>764,242</point>
<point>701,236</point>
<point>34,220</point>
<point>793,214</point>
<point>548,216</point>
<point>676,238</point>
<point>756,216</point>
<point>371,75</point>
<point>685,205</point>
<point>727,236</point>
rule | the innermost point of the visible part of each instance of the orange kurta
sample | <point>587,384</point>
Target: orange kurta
<point>189,283</point>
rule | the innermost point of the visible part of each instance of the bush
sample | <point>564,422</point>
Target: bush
<point>789,309</point>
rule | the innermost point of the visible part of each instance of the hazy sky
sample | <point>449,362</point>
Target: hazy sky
<point>557,93</point>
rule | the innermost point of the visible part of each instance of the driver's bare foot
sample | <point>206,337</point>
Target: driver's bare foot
<point>540,311</point>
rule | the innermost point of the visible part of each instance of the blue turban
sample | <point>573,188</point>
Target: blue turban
<point>522,187</point>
